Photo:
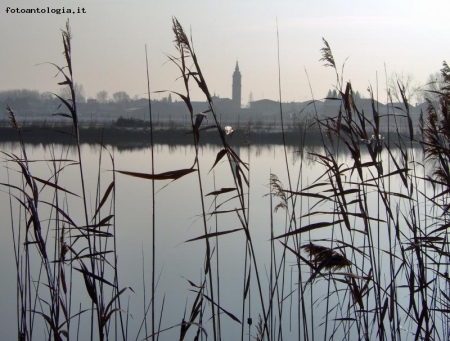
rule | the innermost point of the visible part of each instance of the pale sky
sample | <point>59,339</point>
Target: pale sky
<point>377,37</point>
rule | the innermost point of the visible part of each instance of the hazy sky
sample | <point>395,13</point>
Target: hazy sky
<point>109,44</point>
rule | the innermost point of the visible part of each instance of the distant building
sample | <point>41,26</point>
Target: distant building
<point>266,106</point>
<point>237,88</point>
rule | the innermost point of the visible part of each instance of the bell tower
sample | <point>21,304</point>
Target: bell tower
<point>237,88</point>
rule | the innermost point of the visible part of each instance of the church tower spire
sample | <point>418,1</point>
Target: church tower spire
<point>237,88</point>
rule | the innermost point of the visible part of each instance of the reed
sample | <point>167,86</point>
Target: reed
<point>368,292</point>
<point>67,249</point>
<point>343,267</point>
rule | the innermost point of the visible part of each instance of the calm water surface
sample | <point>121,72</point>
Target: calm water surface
<point>178,219</point>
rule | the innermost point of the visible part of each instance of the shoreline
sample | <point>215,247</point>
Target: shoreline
<point>139,137</point>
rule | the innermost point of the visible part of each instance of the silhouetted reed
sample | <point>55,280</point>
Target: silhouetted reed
<point>364,244</point>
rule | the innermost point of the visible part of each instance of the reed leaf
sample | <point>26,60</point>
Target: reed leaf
<point>89,274</point>
<point>171,175</point>
<point>104,198</point>
<point>50,323</point>
<point>222,191</point>
<point>219,156</point>
<point>230,315</point>
<point>213,234</point>
<point>309,227</point>
<point>53,185</point>
<point>108,308</point>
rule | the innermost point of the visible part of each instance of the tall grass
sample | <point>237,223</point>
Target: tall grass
<point>363,253</point>
<point>54,248</point>
<point>375,255</point>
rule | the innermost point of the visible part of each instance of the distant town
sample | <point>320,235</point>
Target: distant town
<point>31,107</point>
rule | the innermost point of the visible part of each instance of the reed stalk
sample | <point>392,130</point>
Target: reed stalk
<point>368,237</point>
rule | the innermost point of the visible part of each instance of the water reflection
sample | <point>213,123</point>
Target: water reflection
<point>177,211</point>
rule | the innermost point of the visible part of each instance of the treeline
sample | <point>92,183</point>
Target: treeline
<point>24,99</point>
<point>102,97</point>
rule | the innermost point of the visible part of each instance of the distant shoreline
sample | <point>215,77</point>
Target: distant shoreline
<point>42,134</point>
<point>139,137</point>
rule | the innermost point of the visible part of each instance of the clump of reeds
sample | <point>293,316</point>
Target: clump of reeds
<point>435,129</point>
<point>69,249</point>
<point>238,169</point>
<point>387,252</point>
<point>381,203</point>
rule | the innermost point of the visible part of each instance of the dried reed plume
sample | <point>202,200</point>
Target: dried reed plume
<point>325,257</point>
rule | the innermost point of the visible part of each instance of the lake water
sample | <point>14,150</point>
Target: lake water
<point>178,219</point>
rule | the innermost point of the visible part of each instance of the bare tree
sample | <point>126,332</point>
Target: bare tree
<point>80,94</point>
<point>19,94</point>
<point>121,97</point>
<point>404,83</point>
<point>102,96</point>
<point>47,96</point>
<point>434,85</point>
